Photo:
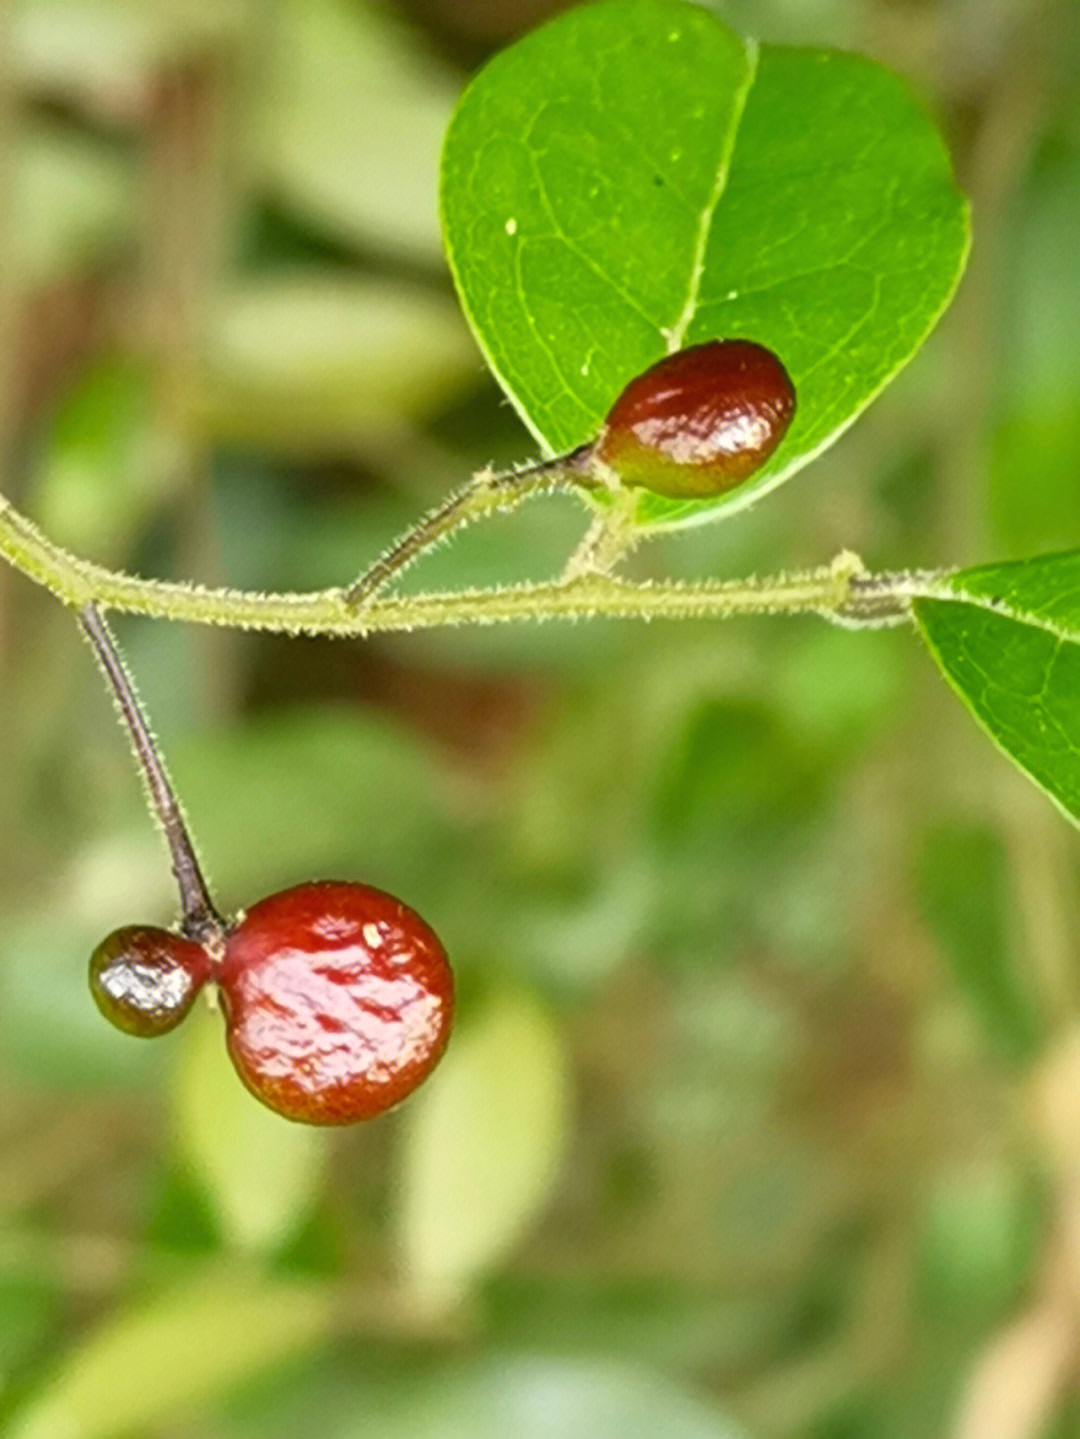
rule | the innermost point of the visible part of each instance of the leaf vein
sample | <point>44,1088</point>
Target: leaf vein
<point>675,337</point>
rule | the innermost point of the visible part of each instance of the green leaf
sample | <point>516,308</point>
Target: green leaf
<point>1037,405</point>
<point>175,1350</point>
<point>1007,638</point>
<point>980,1235</point>
<point>964,877</point>
<point>320,362</point>
<point>633,178</point>
<point>540,1398</point>
<point>28,1306</point>
<point>261,1174</point>
<point>71,202</point>
<point>349,115</point>
<point>106,468</point>
<point>482,1146</point>
<point>100,53</point>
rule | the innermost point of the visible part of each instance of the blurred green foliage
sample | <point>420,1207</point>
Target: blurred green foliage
<point>768,959</point>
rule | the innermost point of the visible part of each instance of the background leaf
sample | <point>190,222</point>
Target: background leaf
<point>964,880</point>
<point>221,1325</point>
<point>979,1233</point>
<point>320,148</point>
<point>1007,638</point>
<point>1036,427</point>
<point>482,1146</point>
<point>87,49</point>
<point>110,470</point>
<point>633,178</point>
<point>261,1175</point>
<point>71,202</point>
<point>541,1398</point>
<point>327,363</point>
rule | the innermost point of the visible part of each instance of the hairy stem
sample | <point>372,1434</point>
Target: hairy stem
<point>486,493</point>
<point>610,537</point>
<point>200,920</point>
<point>842,592</point>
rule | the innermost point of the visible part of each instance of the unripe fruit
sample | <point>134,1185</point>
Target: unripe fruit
<point>338,1001</point>
<point>698,422</point>
<point>144,980</point>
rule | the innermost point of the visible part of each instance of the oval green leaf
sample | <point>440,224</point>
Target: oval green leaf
<point>633,178</point>
<point>323,363</point>
<point>344,93</point>
<point>1007,638</point>
<point>537,1397</point>
<point>166,1355</point>
<point>482,1147</point>
<point>261,1176</point>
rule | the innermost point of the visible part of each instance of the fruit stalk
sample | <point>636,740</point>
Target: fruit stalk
<point>486,493</point>
<point>200,919</point>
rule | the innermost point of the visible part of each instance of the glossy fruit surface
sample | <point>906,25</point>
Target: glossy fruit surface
<point>700,421</point>
<point>144,980</point>
<point>338,1001</point>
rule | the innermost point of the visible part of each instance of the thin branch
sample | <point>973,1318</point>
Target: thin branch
<point>487,493</point>
<point>843,592</point>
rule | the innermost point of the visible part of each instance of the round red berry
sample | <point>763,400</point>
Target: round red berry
<point>338,1001</point>
<point>700,421</point>
<point>144,980</point>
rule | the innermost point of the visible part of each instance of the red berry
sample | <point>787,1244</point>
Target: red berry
<point>144,980</point>
<point>338,1001</point>
<point>700,421</point>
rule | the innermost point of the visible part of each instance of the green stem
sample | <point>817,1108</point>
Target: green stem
<point>842,591</point>
<point>486,493</point>
<point>610,538</point>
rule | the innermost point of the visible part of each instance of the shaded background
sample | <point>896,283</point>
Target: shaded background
<point>764,1107</point>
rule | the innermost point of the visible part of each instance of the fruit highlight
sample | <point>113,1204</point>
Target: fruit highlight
<point>144,980</point>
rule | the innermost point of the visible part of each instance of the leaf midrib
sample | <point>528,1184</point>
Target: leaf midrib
<point>675,337</point>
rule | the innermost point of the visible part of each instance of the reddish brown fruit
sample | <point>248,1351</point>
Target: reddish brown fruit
<point>699,422</point>
<point>338,1001</point>
<point>144,980</point>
